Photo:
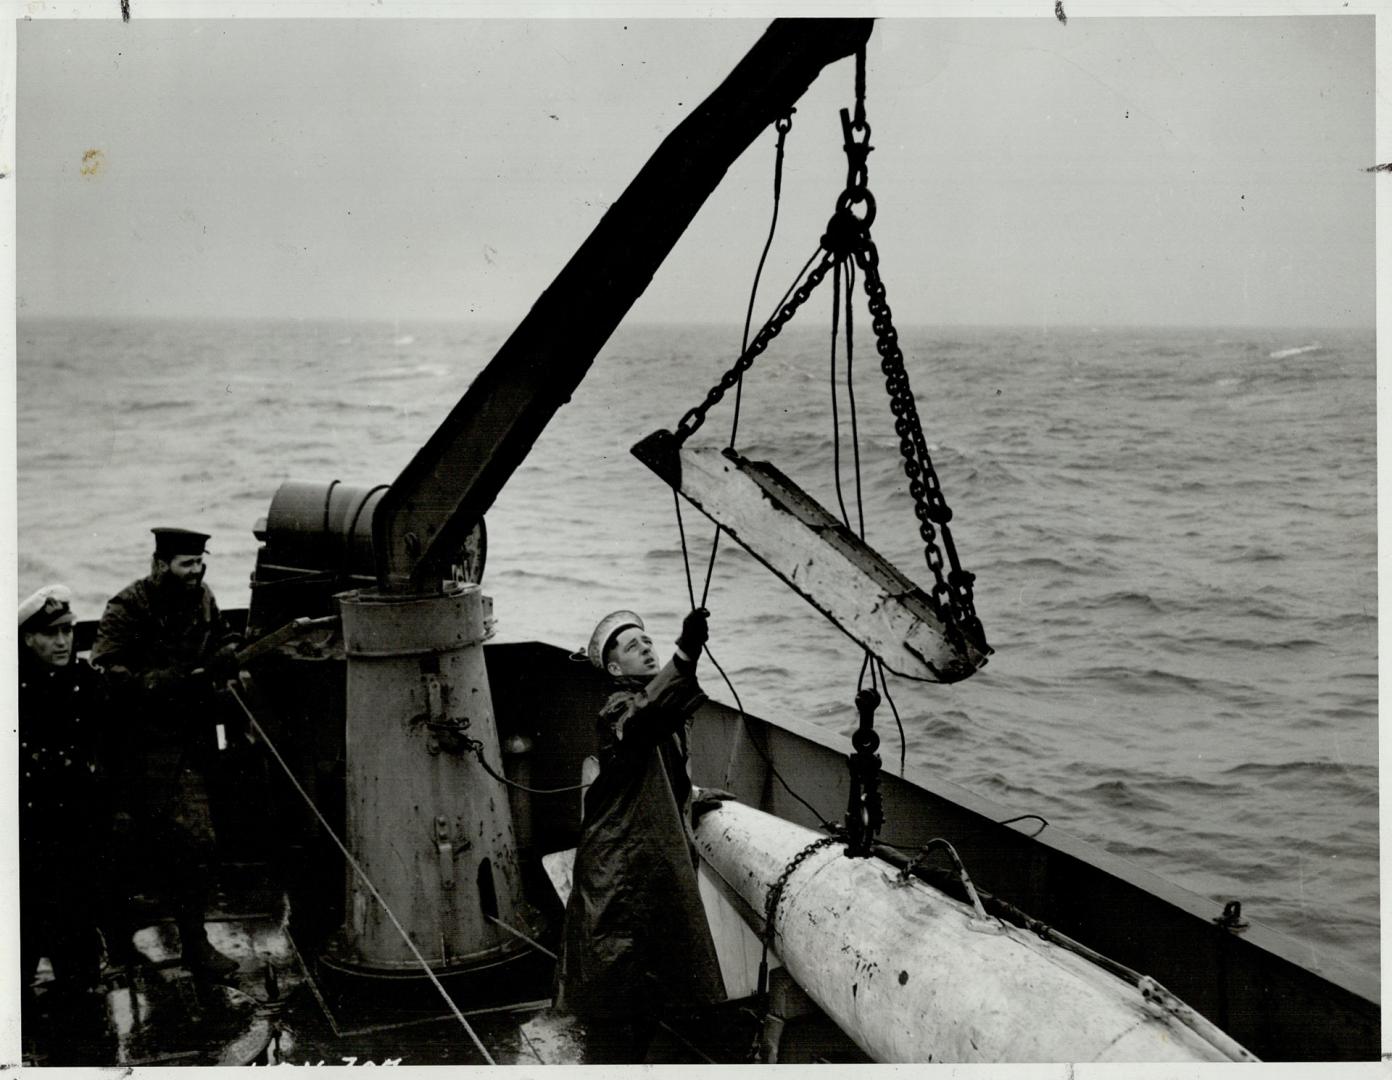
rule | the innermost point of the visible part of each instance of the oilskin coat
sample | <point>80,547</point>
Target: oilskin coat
<point>150,639</point>
<point>636,938</point>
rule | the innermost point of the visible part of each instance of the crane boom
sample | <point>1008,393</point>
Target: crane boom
<point>454,478</point>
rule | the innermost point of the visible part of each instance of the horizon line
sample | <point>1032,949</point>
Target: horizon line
<point>383,320</point>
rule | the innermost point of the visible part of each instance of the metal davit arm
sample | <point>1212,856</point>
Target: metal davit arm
<point>457,474</point>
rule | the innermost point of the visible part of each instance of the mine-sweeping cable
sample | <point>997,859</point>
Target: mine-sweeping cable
<point>782,126</point>
<point>411,945</point>
<point>768,761</point>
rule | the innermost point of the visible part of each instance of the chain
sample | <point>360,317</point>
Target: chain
<point>952,591</point>
<point>864,806</point>
<point>847,238</point>
<point>775,893</point>
<point>477,748</point>
<point>696,416</point>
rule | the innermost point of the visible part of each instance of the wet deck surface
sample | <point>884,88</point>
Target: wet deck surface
<point>280,1007</point>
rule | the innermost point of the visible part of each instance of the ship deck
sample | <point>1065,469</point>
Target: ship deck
<point>283,1006</point>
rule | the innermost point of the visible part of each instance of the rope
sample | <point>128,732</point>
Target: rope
<point>261,734</point>
<point>835,416</point>
<point>301,578</point>
<point>739,705</point>
<point>903,743</point>
<point>860,87</point>
<point>686,557</point>
<point>1004,909</point>
<point>850,392</point>
<point>767,760</point>
<point>477,748</point>
<point>518,933</point>
<point>1043,822</point>
<point>782,126</point>
<point>938,841</point>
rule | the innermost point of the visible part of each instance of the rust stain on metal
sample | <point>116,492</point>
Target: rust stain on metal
<point>903,978</point>
<point>1384,167</point>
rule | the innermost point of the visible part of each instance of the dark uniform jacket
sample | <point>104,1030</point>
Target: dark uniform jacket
<point>636,936</point>
<point>62,712</point>
<point>64,817</point>
<point>150,640</point>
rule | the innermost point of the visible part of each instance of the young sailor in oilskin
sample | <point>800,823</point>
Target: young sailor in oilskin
<point>636,942</point>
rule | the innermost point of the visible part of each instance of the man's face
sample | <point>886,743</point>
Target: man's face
<point>632,654</point>
<point>52,646</point>
<point>185,570</point>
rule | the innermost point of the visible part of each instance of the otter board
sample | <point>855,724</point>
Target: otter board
<point>825,563</point>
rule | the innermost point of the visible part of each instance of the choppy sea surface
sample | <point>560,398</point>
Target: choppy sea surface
<point>1174,535</point>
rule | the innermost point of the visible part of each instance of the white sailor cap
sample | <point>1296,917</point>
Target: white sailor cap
<point>610,627</point>
<point>50,606</point>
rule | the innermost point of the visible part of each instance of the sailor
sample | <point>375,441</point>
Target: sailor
<point>636,942</point>
<point>165,649</point>
<point>62,809</point>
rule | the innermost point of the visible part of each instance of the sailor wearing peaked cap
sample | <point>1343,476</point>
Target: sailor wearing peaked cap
<point>606,634</point>
<point>63,716</point>
<point>635,941</point>
<point>46,608</point>
<point>170,542</point>
<point>165,649</point>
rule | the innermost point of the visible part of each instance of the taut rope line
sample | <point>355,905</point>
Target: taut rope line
<point>261,734</point>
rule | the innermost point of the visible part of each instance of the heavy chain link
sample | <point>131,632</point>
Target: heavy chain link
<point>775,894</point>
<point>696,416</point>
<point>952,591</point>
<point>847,237</point>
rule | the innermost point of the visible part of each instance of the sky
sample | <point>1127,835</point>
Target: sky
<point>1110,171</point>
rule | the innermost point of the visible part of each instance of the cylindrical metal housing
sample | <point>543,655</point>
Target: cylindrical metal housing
<point>427,824</point>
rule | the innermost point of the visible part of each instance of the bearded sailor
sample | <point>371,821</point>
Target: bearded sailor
<point>164,647</point>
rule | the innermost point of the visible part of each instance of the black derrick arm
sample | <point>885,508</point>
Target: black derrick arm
<point>454,478</point>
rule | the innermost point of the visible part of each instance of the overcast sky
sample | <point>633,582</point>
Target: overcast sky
<point>1110,171</point>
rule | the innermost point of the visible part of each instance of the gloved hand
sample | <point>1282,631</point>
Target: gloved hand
<point>704,800</point>
<point>222,665</point>
<point>170,681</point>
<point>695,632</point>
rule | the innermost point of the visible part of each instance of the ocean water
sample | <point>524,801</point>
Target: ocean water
<point>1174,536</point>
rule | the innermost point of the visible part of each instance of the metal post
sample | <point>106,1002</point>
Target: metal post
<point>425,821</point>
